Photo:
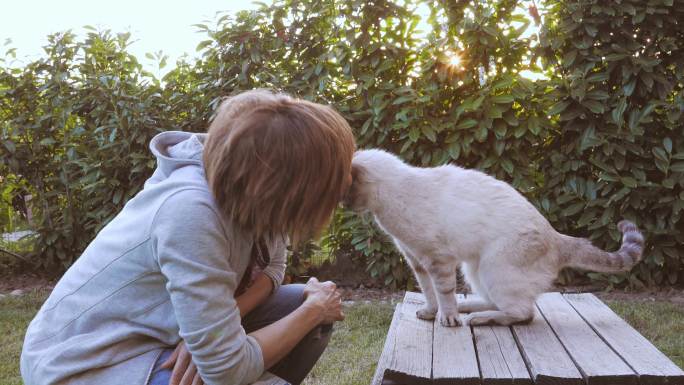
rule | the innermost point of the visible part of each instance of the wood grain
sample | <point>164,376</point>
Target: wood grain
<point>454,360</point>
<point>410,360</point>
<point>652,366</point>
<point>597,362</point>
<point>545,357</point>
<point>388,348</point>
<point>499,356</point>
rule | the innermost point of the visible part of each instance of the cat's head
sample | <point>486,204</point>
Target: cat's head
<point>356,198</point>
<point>369,169</point>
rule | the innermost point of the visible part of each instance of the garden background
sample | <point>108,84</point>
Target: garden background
<point>597,136</point>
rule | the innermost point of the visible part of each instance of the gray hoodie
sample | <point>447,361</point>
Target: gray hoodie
<point>164,268</point>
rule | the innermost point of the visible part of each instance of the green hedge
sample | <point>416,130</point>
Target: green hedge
<point>598,139</point>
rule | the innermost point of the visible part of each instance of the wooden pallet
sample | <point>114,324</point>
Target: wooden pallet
<point>574,339</point>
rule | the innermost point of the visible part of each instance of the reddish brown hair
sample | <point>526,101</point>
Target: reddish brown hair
<point>276,164</point>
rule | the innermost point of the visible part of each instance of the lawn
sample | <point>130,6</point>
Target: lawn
<point>357,342</point>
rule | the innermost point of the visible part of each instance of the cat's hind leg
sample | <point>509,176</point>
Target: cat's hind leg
<point>514,299</point>
<point>472,304</point>
<point>479,301</point>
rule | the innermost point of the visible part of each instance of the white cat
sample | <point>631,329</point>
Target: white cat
<point>443,217</point>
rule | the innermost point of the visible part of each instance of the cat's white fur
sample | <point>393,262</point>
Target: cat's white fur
<point>445,217</point>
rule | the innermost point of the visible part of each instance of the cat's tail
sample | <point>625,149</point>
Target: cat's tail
<point>580,253</point>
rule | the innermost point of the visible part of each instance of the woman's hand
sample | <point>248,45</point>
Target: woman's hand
<point>325,297</point>
<point>184,370</point>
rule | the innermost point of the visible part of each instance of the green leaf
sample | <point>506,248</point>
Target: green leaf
<point>403,99</point>
<point>466,124</point>
<point>414,134</point>
<point>494,112</point>
<point>629,87</point>
<point>660,153</point>
<point>629,181</point>
<point>203,44</point>
<point>618,111</point>
<point>677,167</point>
<point>628,8</point>
<point>490,31</point>
<point>589,138</point>
<point>573,209</point>
<point>569,58</point>
<point>429,132</point>
<point>117,197</point>
<point>594,106</point>
<point>502,99</point>
<point>598,95</point>
<point>615,57</point>
<point>500,128</point>
<point>10,146</point>
<point>533,125</point>
<point>639,17</point>
<point>47,141</point>
<point>477,102</point>
<point>454,150</point>
<point>591,29</point>
<point>597,77</point>
<point>507,165</point>
<point>559,107</point>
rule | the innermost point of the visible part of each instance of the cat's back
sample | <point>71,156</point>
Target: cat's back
<point>486,198</point>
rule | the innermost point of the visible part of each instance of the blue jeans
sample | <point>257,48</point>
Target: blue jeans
<point>298,363</point>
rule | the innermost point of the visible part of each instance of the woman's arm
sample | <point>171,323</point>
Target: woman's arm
<point>201,283</point>
<point>255,294</point>
<point>322,305</point>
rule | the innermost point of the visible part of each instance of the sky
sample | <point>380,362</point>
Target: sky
<point>154,24</point>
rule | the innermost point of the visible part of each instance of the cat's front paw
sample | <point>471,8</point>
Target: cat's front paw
<point>426,313</point>
<point>449,319</point>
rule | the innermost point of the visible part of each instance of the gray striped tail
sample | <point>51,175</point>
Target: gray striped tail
<point>581,254</point>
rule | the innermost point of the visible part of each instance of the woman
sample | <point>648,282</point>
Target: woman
<point>199,254</point>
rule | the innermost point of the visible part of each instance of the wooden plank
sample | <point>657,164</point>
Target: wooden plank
<point>652,366</point>
<point>597,362</point>
<point>499,357</point>
<point>410,361</point>
<point>387,350</point>
<point>546,359</point>
<point>454,360</point>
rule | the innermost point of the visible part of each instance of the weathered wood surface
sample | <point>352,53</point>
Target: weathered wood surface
<point>499,357</point>
<point>652,366</point>
<point>411,356</point>
<point>597,362</point>
<point>546,359</point>
<point>574,339</point>
<point>454,360</point>
<point>388,348</point>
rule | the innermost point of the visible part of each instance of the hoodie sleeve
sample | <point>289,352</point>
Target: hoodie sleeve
<point>194,256</point>
<point>276,268</point>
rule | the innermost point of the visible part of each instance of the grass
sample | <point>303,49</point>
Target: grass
<point>15,314</point>
<point>661,323</point>
<point>357,342</point>
<point>355,347</point>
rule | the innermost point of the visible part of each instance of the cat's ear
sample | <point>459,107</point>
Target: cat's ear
<point>357,172</point>
<point>350,196</point>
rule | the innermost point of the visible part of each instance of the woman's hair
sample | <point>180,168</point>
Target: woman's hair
<point>276,164</point>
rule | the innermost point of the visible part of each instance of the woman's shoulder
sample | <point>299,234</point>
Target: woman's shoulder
<point>187,205</point>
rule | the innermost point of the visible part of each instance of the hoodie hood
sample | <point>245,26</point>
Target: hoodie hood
<point>175,150</point>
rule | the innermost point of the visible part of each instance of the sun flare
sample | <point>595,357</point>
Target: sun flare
<point>454,59</point>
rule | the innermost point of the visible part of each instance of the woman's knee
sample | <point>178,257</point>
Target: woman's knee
<point>289,297</point>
